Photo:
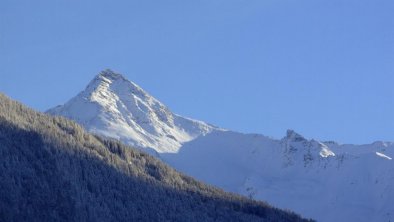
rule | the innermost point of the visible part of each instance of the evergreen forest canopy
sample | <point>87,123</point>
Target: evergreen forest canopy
<point>52,170</point>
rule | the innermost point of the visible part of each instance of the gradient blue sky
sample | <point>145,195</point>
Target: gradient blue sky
<point>324,68</point>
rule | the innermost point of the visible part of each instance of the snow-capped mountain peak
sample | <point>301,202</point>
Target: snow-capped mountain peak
<point>115,107</point>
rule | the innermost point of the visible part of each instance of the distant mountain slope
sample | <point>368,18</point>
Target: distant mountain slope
<point>310,177</point>
<point>327,182</point>
<point>51,170</point>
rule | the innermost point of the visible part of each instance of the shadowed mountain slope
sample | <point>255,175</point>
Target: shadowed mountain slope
<point>52,170</point>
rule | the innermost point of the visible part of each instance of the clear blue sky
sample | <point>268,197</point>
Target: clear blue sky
<point>324,68</point>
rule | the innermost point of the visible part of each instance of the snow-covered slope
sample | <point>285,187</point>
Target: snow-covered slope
<point>115,107</point>
<point>322,180</point>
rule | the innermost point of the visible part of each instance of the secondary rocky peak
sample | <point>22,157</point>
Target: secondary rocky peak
<point>293,136</point>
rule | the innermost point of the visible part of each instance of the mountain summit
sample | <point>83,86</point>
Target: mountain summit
<point>115,107</point>
<point>109,74</point>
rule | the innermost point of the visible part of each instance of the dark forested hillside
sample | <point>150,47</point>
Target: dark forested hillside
<point>52,170</point>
